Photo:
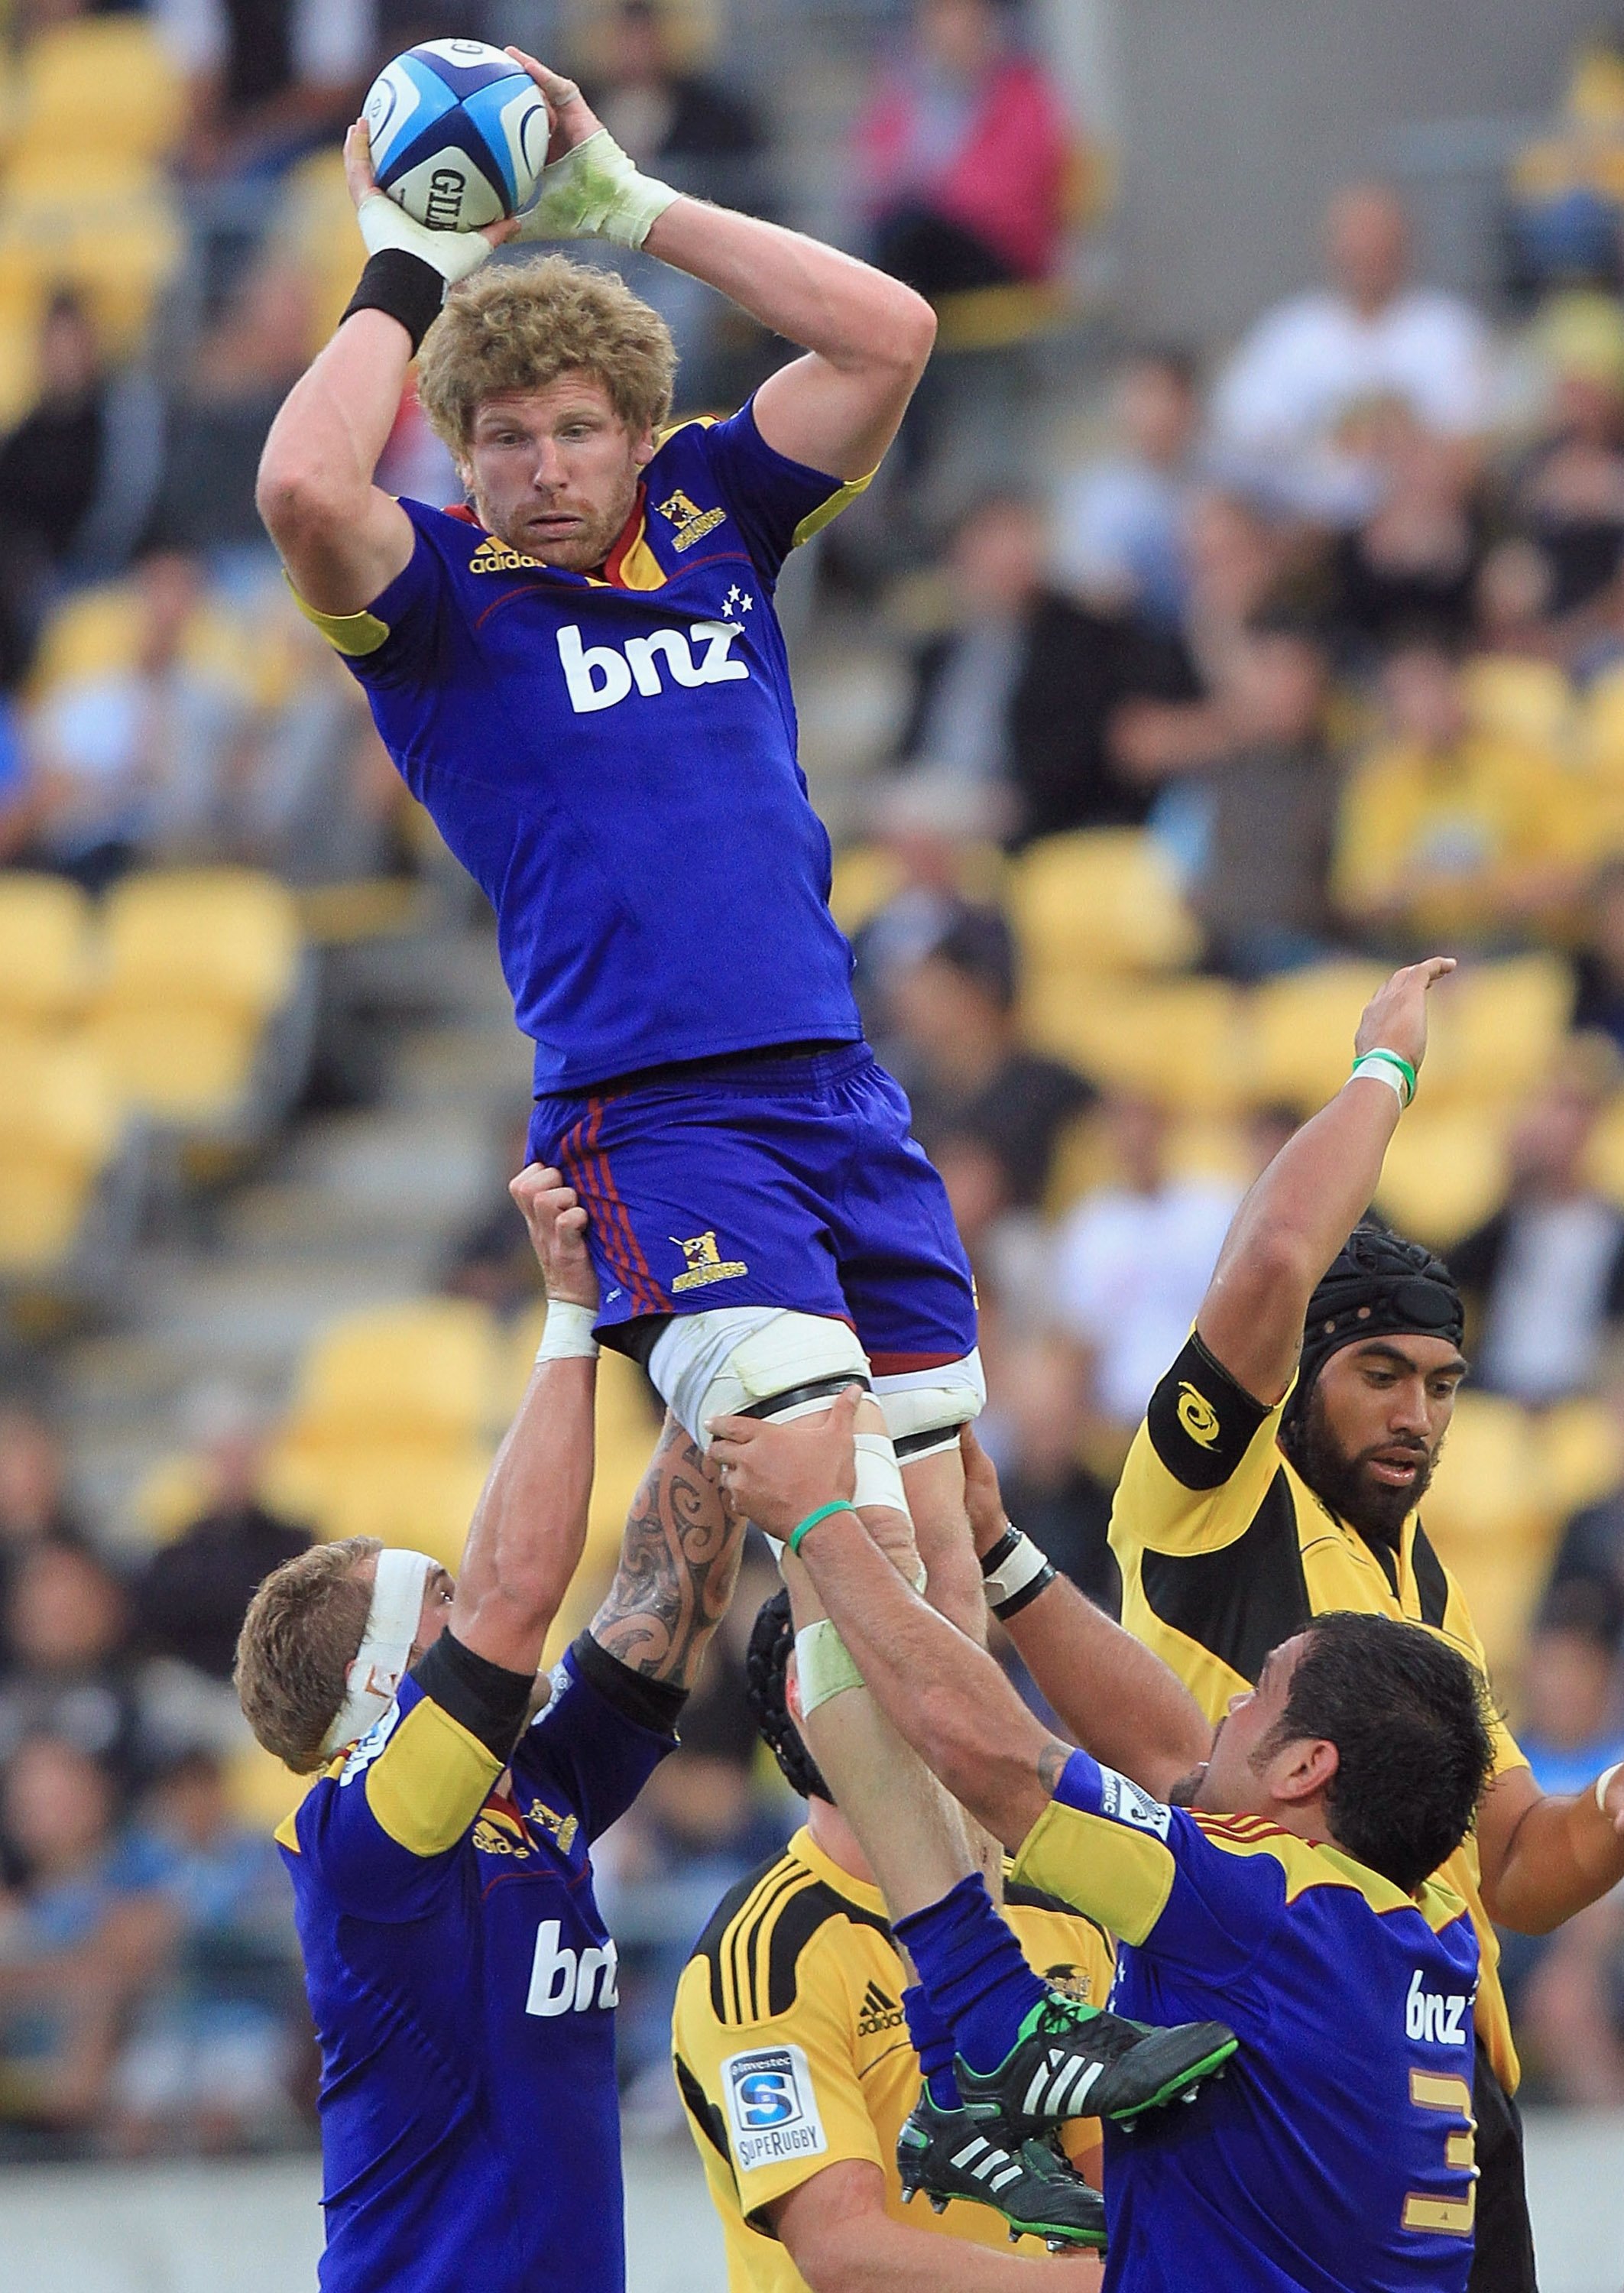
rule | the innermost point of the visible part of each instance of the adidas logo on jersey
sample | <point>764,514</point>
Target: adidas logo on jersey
<point>1437,2018</point>
<point>563,1980</point>
<point>494,557</point>
<point>601,676</point>
<point>877,2012</point>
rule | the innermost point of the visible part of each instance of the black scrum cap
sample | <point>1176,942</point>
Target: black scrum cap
<point>1378,1285</point>
<point>771,1639</point>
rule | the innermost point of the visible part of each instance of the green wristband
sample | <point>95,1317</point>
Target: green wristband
<point>1395,1060</point>
<point>801,1528</point>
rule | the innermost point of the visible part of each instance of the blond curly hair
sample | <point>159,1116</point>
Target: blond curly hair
<point>520,326</point>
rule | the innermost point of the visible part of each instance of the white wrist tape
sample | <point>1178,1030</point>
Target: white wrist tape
<point>823,1664</point>
<point>1381,1067</point>
<point>596,191</point>
<point>568,1335</point>
<point>454,254</point>
<point>1602,1783</point>
<point>380,1663</point>
<point>1015,1571</point>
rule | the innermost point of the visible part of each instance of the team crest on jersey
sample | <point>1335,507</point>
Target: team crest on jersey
<point>692,523</point>
<point>706,1264</point>
<point>494,557</point>
<point>559,1828</point>
<point>1197,1416</point>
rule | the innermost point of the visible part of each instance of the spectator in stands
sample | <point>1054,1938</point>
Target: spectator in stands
<point>678,124</point>
<point>1121,520</point>
<point>78,473</point>
<point>1449,835</point>
<point>191,1596</point>
<point>1564,213</point>
<point>69,1672</point>
<point>35,1510</point>
<point>1280,406</point>
<point>85,1930</point>
<point>1133,1259</point>
<point>1572,1720</point>
<point>1256,758</point>
<point>207,2065</point>
<point>1567,495</point>
<point>1038,1406</point>
<point>1544,1277</point>
<point>241,371</point>
<point>1017,695</point>
<point>964,154</point>
<point>1598,1003</point>
<point>492,1260</point>
<point>131,763</point>
<point>1411,567</point>
<point>269,82</point>
<point>958,1052</point>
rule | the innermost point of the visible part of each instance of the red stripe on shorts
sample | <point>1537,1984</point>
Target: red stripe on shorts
<point>581,1169</point>
<point>661,1303</point>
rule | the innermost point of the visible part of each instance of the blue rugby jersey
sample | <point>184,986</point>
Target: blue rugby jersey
<point>613,758</point>
<point>462,1987</point>
<point>1336,2153</point>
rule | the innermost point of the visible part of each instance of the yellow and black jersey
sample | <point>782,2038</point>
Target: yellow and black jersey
<point>1225,1551</point>
<point>793,2053</point>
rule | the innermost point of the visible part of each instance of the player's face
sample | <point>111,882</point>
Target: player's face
<point>1234,1781</point>
<point>435,1613</point>
<point>553,473</point>
<point>1377,1421</point>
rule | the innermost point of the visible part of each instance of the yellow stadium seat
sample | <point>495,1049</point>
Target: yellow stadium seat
<point>59,1129</point>
<point>97,632</point>
<point>1525,700</point>
<point>866,877</point>
<point>1601,735</point>
<point>1492,1517</point>
<point>45,949</point>
<point>1605,1163</point>
<point>1494,1029</point>
<point>179,1065</point>
<point>1445,1172</point>
<point>427,1370</point>
<point>1179,1043</point>
<point>1581,1447</point>
<point>114,237</point>
<point>419,1494</point>
<point>261,1791</point>
<point>99,84</point>
<point>225,938</point>
<point>1300,1032</point>
<point>1104,900</point>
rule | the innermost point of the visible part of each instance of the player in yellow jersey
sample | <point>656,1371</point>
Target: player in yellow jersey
<point>1278,1474</point>
<point>794,2056</point>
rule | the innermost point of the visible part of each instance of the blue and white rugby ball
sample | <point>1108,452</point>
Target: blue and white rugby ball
<point>459,134</point>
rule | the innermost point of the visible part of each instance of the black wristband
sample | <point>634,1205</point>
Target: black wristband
<point>490,1701</point>
<point>404,287</point>
<point>996,1555</point>
<point>1004,1609</point>
<point>653,1704</point>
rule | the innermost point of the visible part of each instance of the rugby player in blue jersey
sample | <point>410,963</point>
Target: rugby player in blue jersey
<point>1283,1881</point>
<point>460,1976</point>
<point>583,679</point>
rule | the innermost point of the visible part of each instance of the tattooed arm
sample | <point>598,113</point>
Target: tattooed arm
<point>679,1561</point>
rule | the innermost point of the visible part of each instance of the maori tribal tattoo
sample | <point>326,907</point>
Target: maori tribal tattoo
<point>679,1560</point>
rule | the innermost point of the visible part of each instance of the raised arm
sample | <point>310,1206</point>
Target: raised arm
<point>1119,1701</point>
<point>868,336</point>
<point>1302,1210</point>
<point>1545,1855</point>
<point>679,1563</point>
<point>529,1527</point>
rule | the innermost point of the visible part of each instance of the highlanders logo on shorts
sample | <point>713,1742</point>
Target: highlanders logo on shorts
<point>706,1264</point>
<point>772,2111</point>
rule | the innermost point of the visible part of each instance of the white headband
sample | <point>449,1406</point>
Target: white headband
<point>386,1647</point>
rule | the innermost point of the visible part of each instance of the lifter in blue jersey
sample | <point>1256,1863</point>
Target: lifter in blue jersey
<point>582,676</point>
<point>460,1975</point>
<point>1289,1892</point>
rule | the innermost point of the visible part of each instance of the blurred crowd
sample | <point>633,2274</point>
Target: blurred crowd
<point>1318,634</point>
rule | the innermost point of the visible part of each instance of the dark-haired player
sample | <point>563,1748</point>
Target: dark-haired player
<point>1279,1473</point>
<point>1287,1891</point>
<point>799,2070</point>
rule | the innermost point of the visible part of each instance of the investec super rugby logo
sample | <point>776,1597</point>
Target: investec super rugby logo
<point>601,675</point>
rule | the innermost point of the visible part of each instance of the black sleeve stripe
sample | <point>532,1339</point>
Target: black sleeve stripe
<point>704,2114</point>
<point>486,1698</point>
<point>653,1704</point>
<point>1200,1423</point>
<point>1431,1582</point>
<point>712,1945</point>
<point>1243,1600</point>
<point>797,1921</point>
<point>756,1944</point>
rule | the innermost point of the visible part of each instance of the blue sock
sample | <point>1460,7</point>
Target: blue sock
<point>971,1966</point>
<point>933,2044</point>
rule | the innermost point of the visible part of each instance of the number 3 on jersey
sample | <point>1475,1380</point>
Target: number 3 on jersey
<point>1446,2217</point>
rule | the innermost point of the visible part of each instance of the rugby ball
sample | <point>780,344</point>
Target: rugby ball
<point>459,134</point>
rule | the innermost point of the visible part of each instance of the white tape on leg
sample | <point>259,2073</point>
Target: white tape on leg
<point>879,1477</point>
<point>823,1664</point>
<point>925,1408</point>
